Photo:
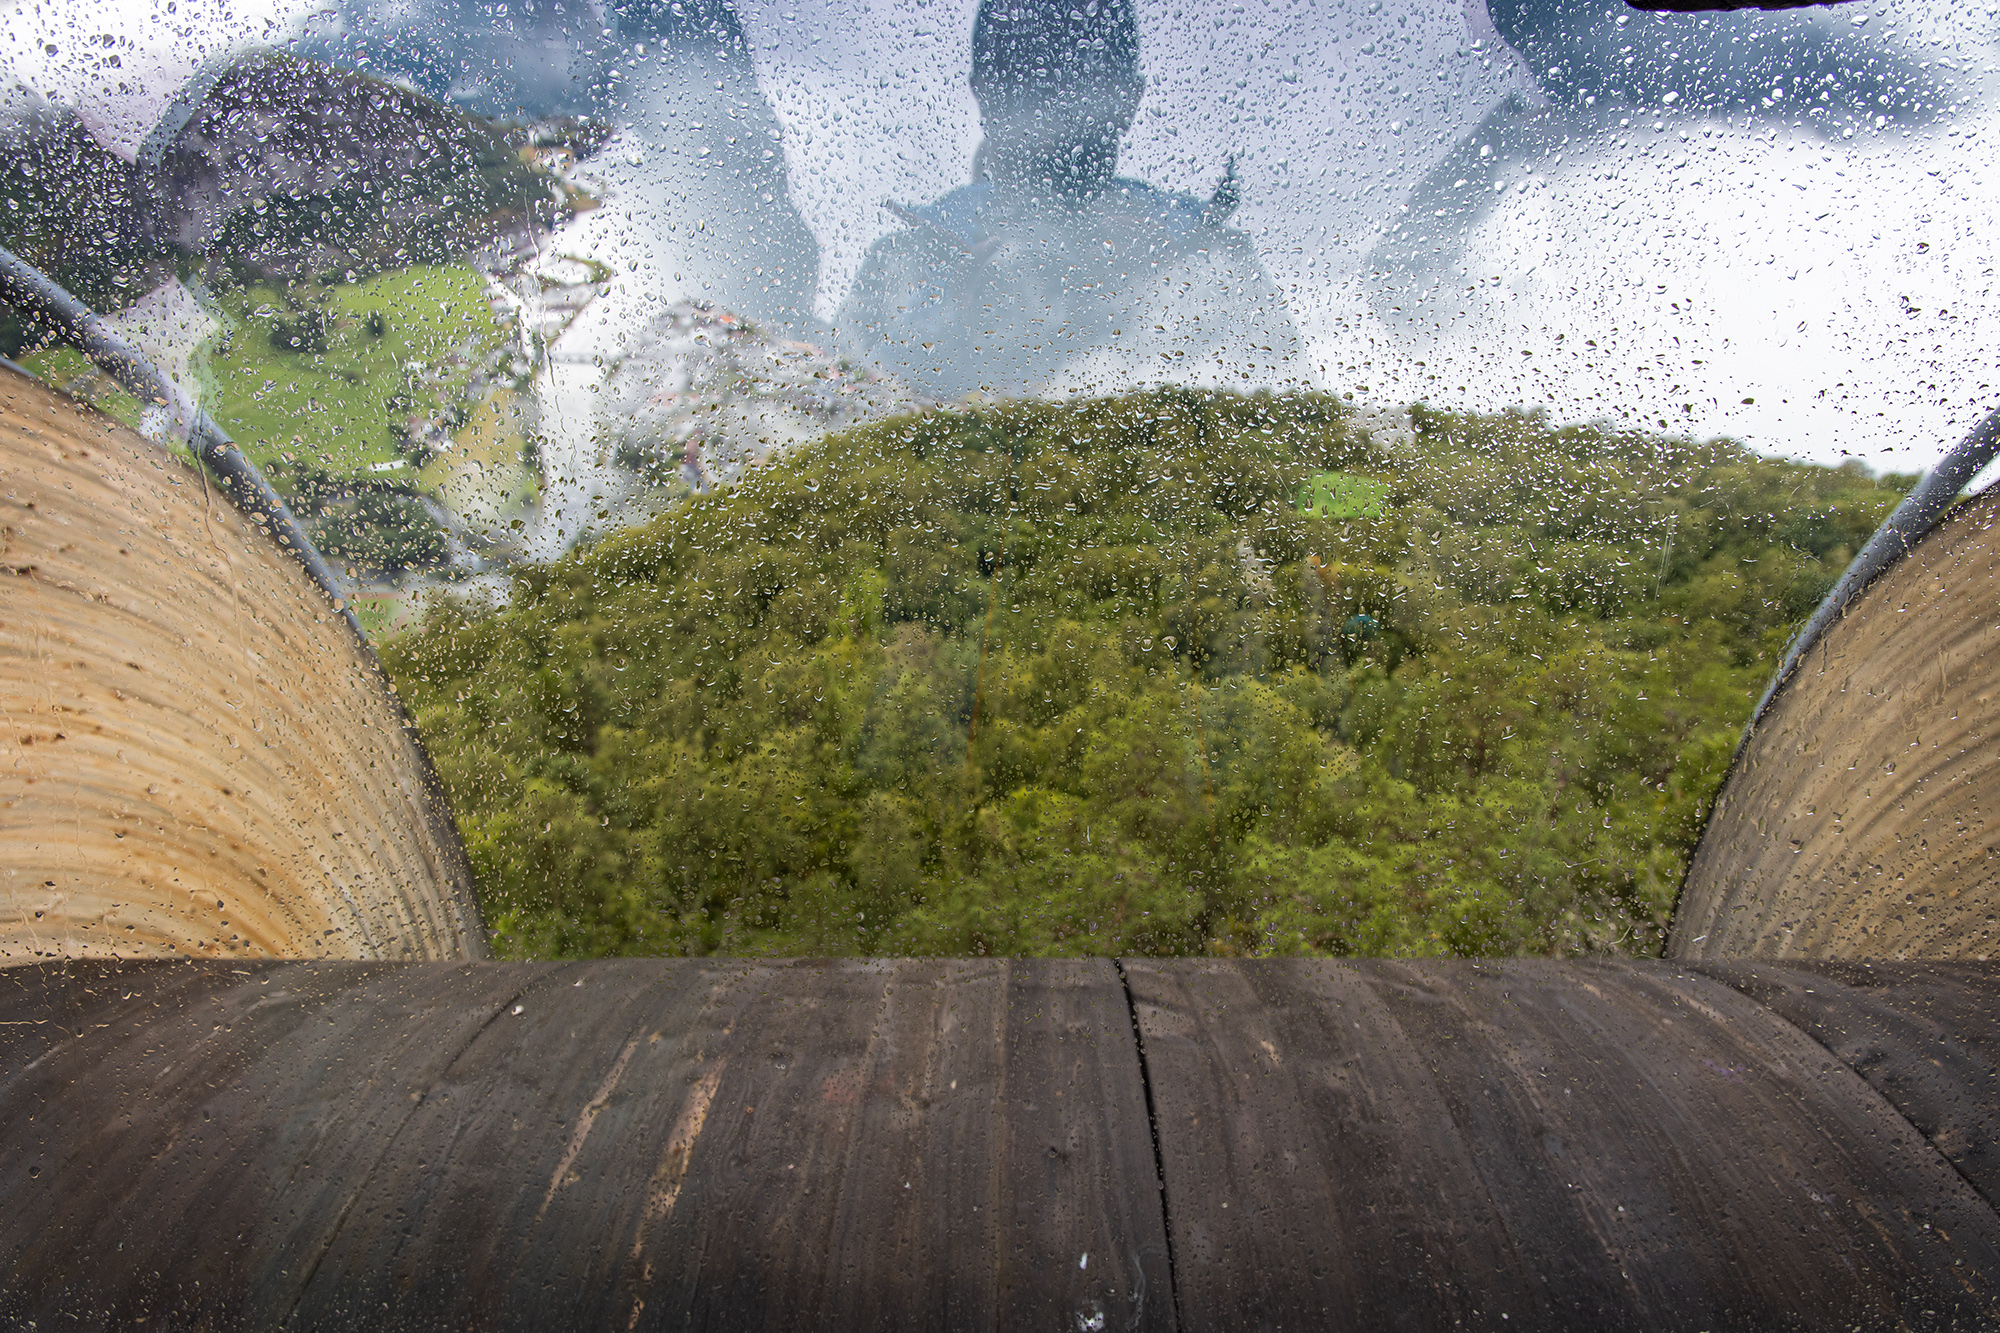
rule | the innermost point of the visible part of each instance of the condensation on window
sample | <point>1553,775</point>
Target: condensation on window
<point>1020,476</point>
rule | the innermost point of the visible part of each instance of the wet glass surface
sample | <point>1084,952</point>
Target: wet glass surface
<point>1340,512</point>
<point>1138,616</point>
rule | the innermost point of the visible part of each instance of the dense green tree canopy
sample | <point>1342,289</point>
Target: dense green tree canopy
<point>1171,673</point>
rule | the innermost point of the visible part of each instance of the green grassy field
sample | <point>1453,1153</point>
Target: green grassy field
<point>407,340</point>
<point>1344,495</point>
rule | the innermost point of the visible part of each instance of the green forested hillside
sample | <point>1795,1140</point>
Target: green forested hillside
<point>1172,673</point>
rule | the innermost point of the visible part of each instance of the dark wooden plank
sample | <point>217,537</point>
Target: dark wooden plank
<point>1925,1035</point>
<point>1572,1146</point>
<point>1315,1174</point>
<point>936,1052</point>
<point>899,1144</point>
<point>939,1143</point>
<point>947,1144</point>
<point>942,1153</point>
<point>43,1007</point>
<point>494,1204</point>
<point>762,1240</point>
<point>1086,1246</point>
<point>190,1168</point>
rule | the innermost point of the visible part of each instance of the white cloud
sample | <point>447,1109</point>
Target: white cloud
<point>120,62</point>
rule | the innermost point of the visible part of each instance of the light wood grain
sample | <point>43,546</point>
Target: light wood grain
<point>1858,822</point>
<point>197,758</point>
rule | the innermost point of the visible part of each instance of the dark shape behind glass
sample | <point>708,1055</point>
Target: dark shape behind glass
<point>1049,272</point>
<point>1057,89</point>
<point>1580,50</point>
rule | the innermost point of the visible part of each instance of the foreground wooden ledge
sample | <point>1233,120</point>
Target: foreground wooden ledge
<point>1000,1144</point>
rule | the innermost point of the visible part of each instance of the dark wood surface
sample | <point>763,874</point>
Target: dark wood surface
<point>955,1144</point>
<point>1401,1145</point>
<point>967,1144</point>
<point>188,1158</point>
<point>1925,1035</point>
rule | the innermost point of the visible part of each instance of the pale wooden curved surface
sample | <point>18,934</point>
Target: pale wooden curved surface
<point>1858,822</point>
<point>196,757</point>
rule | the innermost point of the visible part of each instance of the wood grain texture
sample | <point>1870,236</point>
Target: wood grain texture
<point>966,1144</point>
<point>605,1145</point>
<point>1858,822</point>
<point>196,757</point>
<point>1588,1146</point>
<point>1925,1035</point>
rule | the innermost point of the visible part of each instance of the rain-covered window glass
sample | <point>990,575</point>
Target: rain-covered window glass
<point>989,476</point>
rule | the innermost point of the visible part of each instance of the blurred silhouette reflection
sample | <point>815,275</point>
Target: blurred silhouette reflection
<point>1049,272</point>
